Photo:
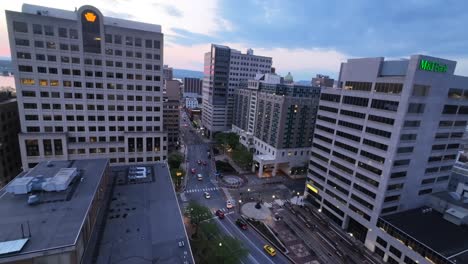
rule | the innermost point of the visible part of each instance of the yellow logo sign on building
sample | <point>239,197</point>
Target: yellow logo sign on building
<point>90,17</point>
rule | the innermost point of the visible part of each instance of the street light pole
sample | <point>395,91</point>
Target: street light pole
<point>239,206</point>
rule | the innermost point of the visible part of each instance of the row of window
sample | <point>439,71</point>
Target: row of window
<point>61,129</point>
<point>98,85</point>
<point>92,118</point>
<point>91,96</point>
<point>98,74</point>
<point>49,30</point>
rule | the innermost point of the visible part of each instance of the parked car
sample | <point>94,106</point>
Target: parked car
<point>270,250</point>
<point>220,214</point>
<point>229,204</point>
<point>207,195</point>
<point>241,224</point>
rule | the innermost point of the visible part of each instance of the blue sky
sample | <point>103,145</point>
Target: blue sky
<point>303,37</point>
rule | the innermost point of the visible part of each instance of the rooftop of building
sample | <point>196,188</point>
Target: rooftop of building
<point>71,15</point>
<point>432,230</point>
<point>7,101</point>
<point>144,221</point>
<point>58,218</point>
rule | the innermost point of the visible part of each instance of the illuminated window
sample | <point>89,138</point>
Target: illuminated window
<point>54,83</point>
<point>43,82</point>
<point>26,81</point>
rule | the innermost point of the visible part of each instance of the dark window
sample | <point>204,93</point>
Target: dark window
<point>91,31</point>
<point>37,29</point>
<point>450,109</point>
<point>49,30</point>
<point>22,42</point>
<point>352,113</point>
<point>358,86</point>
<point>378,132</point>
<point>412,123</point>
<point>25,68</point>
<point>20,27</point>
<point>63,33</point>
<point>393,88</point>
<point>358,101</point>
<point>384,105</point>
<point>381,119</point>
<point>330,97</point>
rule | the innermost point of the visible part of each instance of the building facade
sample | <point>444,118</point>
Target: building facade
<point>168,73</point>
<point>10,157</point>
<point>88,86</point>
<point>276,121</point>
<point>191,102</point>
<point>171,111</point>
<point>385,139</point>
<point>224,70</point>
<point>321,80</point>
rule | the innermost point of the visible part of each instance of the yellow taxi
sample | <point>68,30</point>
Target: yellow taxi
<point>270,250</point>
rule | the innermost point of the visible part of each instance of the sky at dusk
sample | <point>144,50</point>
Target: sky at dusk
<point>303,37</point>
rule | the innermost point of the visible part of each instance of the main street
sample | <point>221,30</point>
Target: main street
<point>196,149</point>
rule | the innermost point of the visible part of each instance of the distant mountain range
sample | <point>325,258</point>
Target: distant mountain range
<point>181,73</point>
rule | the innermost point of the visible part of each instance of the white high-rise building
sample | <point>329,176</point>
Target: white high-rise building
<point>385,139</point>
<point>225,69</point>
<point>88,86</point>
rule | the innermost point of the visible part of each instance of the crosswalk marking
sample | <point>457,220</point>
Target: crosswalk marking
<point>201,190</point>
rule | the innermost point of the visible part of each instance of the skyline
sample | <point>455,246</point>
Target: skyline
<point>272,28</point>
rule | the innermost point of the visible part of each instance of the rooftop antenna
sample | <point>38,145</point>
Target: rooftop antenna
<point>76,9</point>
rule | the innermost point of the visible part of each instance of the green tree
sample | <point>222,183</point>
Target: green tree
<point>242,157</point>
<point>197,213</point>
<point>227,140</point>
<point>177,175</point>
<point>174,160</point>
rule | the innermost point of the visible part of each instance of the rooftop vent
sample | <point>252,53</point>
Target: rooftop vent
<point>59,182</point>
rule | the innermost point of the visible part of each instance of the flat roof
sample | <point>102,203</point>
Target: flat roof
<point>71,15</point>
<point>143,221</point>
<point>432,230</point>
<point>57,220</point>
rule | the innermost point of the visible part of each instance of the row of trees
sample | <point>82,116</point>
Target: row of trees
<point>174,160</point>
<point>208,244</point>
<point>229,143</point>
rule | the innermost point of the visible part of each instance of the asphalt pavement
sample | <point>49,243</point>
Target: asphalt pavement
<point>197,149</point>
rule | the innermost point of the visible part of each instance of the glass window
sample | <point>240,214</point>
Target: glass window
<point>48,30</point>
<point>37,29</point>
<point>129,41</point>
<point>22,42</point>
<point>73,34</point>
<point>108,38</point>
<point>20,27</point>
<point>117,39</point>
<point>63,33</point>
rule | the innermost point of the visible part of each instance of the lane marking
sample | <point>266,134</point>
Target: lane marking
<point>254,246</point>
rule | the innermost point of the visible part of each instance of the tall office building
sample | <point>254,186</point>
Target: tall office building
<point>276,121</point>
<point>10,158</point>
<point>385,139</point>
<point>172,113</point>
<point>225,69</point>
<point>167,73</point>
<point>192,88</point>
<point>322,81</point>
<point>88,86</point>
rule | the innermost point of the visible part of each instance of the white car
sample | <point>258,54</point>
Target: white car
<point>207,195</point>
<point>229,204</point>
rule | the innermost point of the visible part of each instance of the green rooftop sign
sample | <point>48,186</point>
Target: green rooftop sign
<point>432,66</point>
